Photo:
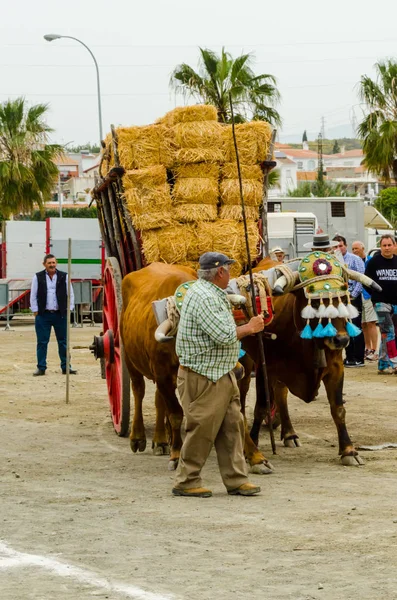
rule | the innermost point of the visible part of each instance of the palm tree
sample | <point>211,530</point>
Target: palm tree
<point>379,127</point>
<point>253,96</point>
<point>27,167</point>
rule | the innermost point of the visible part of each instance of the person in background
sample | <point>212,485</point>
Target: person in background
<point>277,253</point>
<point>369,319</point>
<point>382,268</point>
<point>356,348</point>
<point>48,303</point>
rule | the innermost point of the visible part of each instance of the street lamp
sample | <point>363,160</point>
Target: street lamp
<point>50,37</point>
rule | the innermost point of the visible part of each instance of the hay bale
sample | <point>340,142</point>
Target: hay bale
<point>231,211</point>
<point>194,213</point>
<point>174,244</point>
<point>202,170</point>
<point>253,239</point>
<point>252,192</point>
<point>150,206</point>
<point>199,134</point>
<point>252,142</point>
<point>146,146</point>
<point>229,171</point>
<point>199,155</point>
<point>187,114</point>
<point>149,177</point>
<point>196,190</point>
<point>220,236</point>
<point>199,141</point>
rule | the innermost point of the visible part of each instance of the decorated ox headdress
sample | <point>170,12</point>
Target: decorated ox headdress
<point>325,280</point>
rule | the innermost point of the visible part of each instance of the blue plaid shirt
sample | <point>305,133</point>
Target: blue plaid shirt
<point>354,263</point>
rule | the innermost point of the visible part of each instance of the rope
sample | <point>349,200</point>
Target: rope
<point>264,291</point>
<point>173,315</point>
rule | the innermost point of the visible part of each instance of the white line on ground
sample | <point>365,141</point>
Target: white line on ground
<point>11,558</point>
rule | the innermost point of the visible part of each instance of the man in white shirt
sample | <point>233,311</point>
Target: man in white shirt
<point>48,303</point>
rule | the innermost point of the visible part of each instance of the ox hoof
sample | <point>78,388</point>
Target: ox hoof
<point>292,442</point>
<point>264,468</point>
<point>138,445</point>
<point>352,461</point>
<point>160,449</point>
<point>172,465</point>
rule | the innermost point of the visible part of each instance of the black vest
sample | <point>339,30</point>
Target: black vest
<point>60,291</point>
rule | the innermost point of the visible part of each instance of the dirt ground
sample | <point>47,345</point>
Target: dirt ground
<point>83,517</point>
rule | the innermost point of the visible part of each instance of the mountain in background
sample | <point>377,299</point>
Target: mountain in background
<point>337,132</point>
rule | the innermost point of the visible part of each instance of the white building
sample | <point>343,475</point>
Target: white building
<point>287,169</point>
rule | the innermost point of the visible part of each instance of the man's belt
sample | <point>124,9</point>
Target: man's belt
<point>51,311</point>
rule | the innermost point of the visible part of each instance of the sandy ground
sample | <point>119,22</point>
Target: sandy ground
<point>82,517</point>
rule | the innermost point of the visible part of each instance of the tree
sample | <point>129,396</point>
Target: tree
<point>378,129</point>
<point>254,96</point>
<point>304,136</point>
<point>93,148</point>
<point>336,148</point>
<point>386,203</point>
<point>27,167</point>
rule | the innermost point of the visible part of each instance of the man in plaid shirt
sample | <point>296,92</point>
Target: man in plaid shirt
<point>207,345</point>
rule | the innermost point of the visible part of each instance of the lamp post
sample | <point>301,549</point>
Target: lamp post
<point>53,36</point>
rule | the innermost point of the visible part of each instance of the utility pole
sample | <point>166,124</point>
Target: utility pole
<point>323,127</point>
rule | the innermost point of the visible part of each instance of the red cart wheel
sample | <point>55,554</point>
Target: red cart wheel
<point>117,376</point>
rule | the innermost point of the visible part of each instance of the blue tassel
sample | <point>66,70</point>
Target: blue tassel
<point>352,329</point>
<point>329,330</point>
<point>318,332</point>
<point>241,352</point>
<point>307,333</point>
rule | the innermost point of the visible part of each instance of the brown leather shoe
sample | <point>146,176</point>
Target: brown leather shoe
<point>193,492</point>
<point>247,489</point>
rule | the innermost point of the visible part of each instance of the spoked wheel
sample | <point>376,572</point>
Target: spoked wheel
<point>116,372</point>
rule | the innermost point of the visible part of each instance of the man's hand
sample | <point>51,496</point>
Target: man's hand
<point>35,314</point>
<point>256,324</point>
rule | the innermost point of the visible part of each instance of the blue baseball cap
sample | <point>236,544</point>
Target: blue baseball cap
<point>212,260</point>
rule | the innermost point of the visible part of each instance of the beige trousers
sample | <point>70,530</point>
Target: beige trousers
<point>213,417</point>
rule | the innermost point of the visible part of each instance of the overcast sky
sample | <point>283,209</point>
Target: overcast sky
<point>316,50</point>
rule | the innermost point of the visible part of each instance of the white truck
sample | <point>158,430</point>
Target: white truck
<point>290,231</point>
<point>24,245</point>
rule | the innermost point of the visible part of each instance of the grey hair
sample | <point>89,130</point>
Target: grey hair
<point>207,274</point>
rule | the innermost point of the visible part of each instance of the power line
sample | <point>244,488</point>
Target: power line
<point>156,65</point>
<point>217,45</point>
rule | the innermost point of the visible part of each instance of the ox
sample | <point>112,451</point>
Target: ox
<point>299,366</point>
<point>145,357</point>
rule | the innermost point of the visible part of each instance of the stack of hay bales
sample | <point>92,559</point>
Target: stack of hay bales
<point>181,184</point>
<point>198,139</point>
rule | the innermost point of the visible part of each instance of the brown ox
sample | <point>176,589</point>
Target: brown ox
<point>145,357</point>
<point>299,366</point>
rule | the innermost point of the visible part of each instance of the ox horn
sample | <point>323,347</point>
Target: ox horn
<point>162,330</point>
<point>364,279</point>
<point>282,282</point>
